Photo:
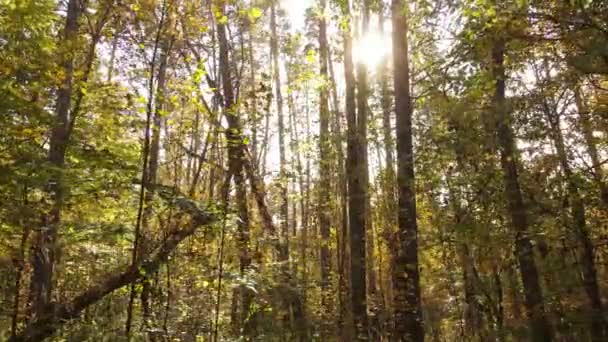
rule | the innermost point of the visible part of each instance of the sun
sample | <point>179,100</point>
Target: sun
<point>372,48</point>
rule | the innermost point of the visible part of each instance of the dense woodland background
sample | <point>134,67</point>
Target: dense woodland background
<point>222,170</point>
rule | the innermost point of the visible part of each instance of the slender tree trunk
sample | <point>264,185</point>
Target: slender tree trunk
<point>168,300</point>
<point>387,131</point>
<point>307,195</point>
<point>296,155</point>
<point>144,181</point>
<point>324,206</point>
<point>541,330</point>
<point>44,246</point>
<point>152,176</point>
<point>112,61</point>
<point>577,210</point>
<point>20,266</point>
<point>590,141</point>
<point>264,147</point>
<point>389,195</point>
<point>472,310</point>
<point>406,277</point>
<point>389,144</point>
<point>499,308</point>
<point>355,163</point>
<point>236,160</point>
<point>254,100</point>
<point>363,169</point>
<point>299,313</point>
<point>284,207</point>
<point>341,187</point>
<point>214,334</point>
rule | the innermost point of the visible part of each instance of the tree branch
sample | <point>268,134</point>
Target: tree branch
<point>56,314</point>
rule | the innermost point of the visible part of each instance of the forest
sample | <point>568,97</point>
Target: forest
<point>304,170</point>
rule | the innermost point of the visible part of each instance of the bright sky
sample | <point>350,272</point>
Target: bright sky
<point>371,48</point>
<point>295,10</point>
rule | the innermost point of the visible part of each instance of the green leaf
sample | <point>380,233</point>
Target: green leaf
<point>254,13</point>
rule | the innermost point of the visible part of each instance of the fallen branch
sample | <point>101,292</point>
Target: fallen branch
<point>56,314</point>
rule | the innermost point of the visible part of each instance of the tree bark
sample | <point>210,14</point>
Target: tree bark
<point>534,303</point>
<point>356,194</point>
<point>324,206</point>
<point>152,172</point>
<point>342,191</point>
<point>254,119</point>
<point>20,264</point>
<point>299,314</point>
<point>45,238</point>
<point>577,212</point>
<point>284,206</point>
<point>408,324</point>
<point>389,196</point>
<point>363,190</point>
<point>236,160</point>
<point>472,310</point>
<point>144,181</point>
<point>297,158</point>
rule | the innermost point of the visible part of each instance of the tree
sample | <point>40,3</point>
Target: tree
<point>274,50</point>
<point>408,325</point>
<point>541,330</point>
<point>236,160</point>
<point>357,191</point>
<point>44,255</point>
<point>324,161</point>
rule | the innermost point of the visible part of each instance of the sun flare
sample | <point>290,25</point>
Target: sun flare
<point>372,48</point>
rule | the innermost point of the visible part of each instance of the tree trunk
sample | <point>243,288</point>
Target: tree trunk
<point>20,265</point>
<point>306,210</point>
<point>236,161</point>
<point>300,315</point>
<point>472,311</point>
<point>577,211</point>
<point>44,248</point>
<point>112,61</point>
<point>296,156</point>
<point>254,100</point>
<point>54,315</point>
<point>324,207</point>
<point>590,141</point>
<point>407,313</point>
<point>356,195</point>
<point>385,104</point>
<point>541,330</point>
<point>389,196</point>
<point>363,170</point>
<point>139,241</point>
<point>152,172</point>
<point>342,191</point>
<point>284,207</point>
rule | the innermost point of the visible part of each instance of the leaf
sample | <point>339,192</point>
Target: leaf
<point>254,13</point>
<point>310,56</point>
